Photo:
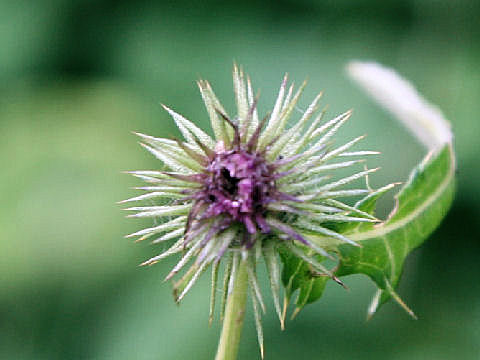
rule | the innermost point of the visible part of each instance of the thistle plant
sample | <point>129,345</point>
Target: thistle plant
<point>261,192</point>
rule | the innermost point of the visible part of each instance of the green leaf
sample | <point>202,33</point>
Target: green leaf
<point>421,205</point>
<point>297,274</point>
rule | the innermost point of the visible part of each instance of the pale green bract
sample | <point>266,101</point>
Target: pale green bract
<point>421,203</point>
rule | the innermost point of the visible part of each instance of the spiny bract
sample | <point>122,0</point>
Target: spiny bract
<point>253,188</point>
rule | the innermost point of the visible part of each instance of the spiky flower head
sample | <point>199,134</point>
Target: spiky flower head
<point>254,188</point>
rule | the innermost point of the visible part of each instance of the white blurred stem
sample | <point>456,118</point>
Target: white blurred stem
<point>400,98</point>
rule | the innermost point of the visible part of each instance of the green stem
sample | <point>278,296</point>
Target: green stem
<point>234,314</point>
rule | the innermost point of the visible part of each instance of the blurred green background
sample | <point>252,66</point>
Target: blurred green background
<point>77,76</point>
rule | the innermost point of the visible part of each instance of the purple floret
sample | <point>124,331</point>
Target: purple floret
<point>239,186</point>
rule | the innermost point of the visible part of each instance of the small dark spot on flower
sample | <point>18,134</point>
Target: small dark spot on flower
<point>256,194</point>
<point>230,184</point>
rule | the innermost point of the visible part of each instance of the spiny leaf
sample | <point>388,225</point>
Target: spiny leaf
<point>421,205</point>
<point>297,274</point>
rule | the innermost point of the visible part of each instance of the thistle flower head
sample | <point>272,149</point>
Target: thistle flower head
<point>256,186</point>
<point>238,187</point>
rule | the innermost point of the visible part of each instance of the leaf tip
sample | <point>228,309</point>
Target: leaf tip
<point>295,313</point>
<point>284,313</point>
<point>340,282</point>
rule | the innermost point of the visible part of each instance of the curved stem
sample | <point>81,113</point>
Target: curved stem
<point>234,314</point>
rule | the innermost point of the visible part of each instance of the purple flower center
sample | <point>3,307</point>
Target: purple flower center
<point>239,185</point>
